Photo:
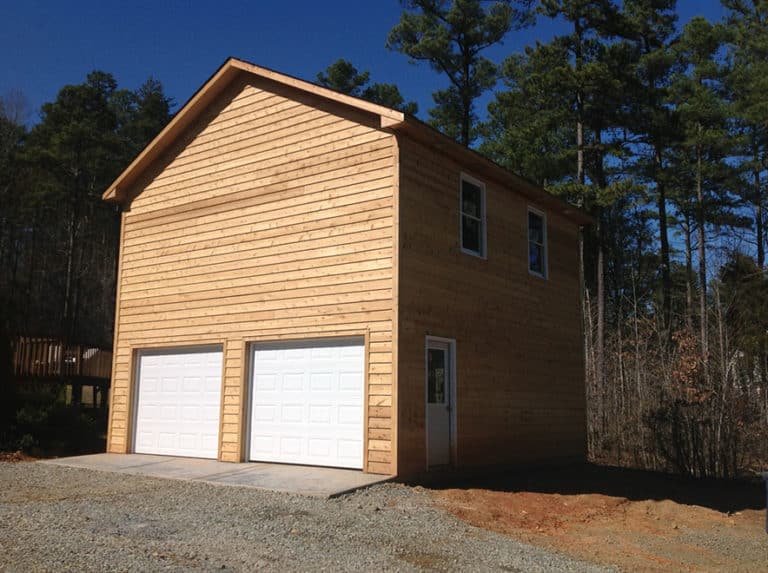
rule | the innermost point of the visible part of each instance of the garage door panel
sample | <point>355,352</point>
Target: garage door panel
<point>300,449</point>
<point>307,404</point>
<point>178,403</point>
<point>319,415</point>
<point>323,430</point>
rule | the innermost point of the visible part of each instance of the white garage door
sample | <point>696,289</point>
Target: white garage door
<point>307,403</point>
<point>178,402</point>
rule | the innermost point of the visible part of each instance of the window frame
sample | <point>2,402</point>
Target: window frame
<point>483,252</point>
<point>544,244</point>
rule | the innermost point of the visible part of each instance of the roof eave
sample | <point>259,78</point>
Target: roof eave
<point>424,132</point>
<point>388,118</point>
<point>209,91</point>
<point>179,122</point>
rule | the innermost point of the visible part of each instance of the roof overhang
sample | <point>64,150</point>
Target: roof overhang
<point>388,118</point>
<point>482,166</point>
<point>214,87</point>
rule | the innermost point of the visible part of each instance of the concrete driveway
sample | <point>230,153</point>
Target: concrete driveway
<point>303,480</point>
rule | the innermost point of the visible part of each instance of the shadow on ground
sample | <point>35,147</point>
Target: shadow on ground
<point>726,496</point>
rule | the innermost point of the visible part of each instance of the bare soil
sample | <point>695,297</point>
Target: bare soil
<point>636,521</point>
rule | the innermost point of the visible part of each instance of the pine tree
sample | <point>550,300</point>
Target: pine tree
<point>12,219</point>
<point>649,29</point>
<point>150,111</point>
<point>530,128</point>
<point>698,93</point>
<point>591,79</point>
<point>450,35</point>
<point>343,77</point>
<point>591,23</point>
<point>84,139</point>
<point>747,26</point>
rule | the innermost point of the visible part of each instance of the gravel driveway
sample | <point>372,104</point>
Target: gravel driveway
<point>63,519</point>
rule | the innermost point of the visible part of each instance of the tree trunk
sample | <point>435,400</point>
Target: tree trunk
<point>580,151</point>
<point>600,350</point>
<point>32,260</point>
<point>465,124</point>
<point>688,273</point>
<point>760,237</point>
<point>759,230</point>
<point>701,216</point>
<point>65,327</point>
<point>666,278</point>
<point>579,57</point>
<point>602,183</point>
<point>466,102</point>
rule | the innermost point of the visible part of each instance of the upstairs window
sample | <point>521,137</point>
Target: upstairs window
<point>472,216</point>
<point>537,243</point>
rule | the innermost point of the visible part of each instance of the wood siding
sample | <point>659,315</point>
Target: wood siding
<point>520,387</point>
<point>270,219</point>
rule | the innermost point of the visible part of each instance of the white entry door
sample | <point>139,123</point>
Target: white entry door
<point>307,403</point>
<point>439,402</point>
<point>178,403</point>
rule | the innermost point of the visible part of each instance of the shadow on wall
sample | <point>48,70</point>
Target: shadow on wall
<point>726,496</point>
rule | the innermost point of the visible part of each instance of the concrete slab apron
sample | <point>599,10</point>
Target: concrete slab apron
<point>303,480</point>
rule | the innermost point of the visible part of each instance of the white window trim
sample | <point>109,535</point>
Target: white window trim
<point>483,220</point>
<point>545,244</point>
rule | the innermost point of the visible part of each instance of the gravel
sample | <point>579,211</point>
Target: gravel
<point>64,519</point>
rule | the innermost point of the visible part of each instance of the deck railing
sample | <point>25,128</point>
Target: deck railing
<point>37,357</point>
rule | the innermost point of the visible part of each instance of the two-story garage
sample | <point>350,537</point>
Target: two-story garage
<point>309,278</point>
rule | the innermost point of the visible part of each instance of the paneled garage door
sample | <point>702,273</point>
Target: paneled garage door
<point>307,403</point>
<point>178,403</point>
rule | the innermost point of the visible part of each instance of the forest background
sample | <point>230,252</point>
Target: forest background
<point>657,129</point>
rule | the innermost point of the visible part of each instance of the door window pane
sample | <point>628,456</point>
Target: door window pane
<point>436,376</point>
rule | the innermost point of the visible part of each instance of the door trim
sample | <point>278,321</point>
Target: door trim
<point>451,343</point>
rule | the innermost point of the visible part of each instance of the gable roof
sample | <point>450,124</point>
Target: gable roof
<point>388,119</point>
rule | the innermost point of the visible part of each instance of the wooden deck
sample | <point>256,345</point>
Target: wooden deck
<point>77,367</point>
<point>49,358</point>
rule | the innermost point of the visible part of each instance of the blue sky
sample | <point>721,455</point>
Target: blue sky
<point>45,44</point>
